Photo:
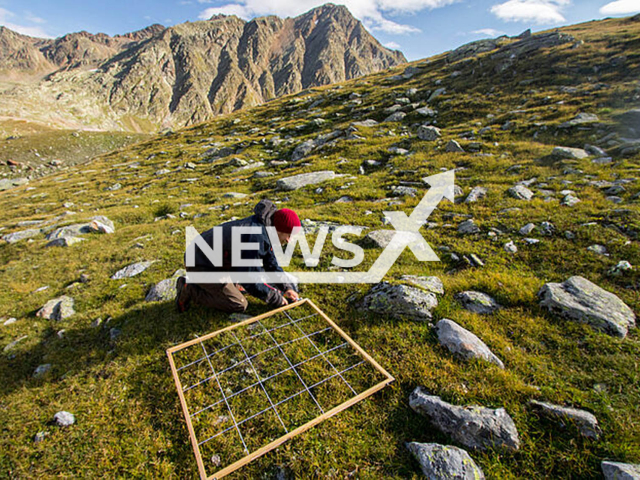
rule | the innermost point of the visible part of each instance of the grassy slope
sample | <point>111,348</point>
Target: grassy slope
<point>128,418</point>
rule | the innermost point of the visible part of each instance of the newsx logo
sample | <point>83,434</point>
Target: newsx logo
<point>406,235</point>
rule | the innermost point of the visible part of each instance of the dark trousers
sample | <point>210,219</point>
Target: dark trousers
<point>221,296</point>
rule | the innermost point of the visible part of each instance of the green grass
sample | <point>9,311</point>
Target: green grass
<point>129,421</point>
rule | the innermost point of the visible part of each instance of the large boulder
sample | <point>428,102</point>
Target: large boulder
<point>473,426</point>
<point>400,301</point>
<point>302,179</point>
<point>620,471</point>
<point>445,462</point>
<point>586,422</point>
<point>580,300</point>
<point>57,308</point>
<point>463,343</point>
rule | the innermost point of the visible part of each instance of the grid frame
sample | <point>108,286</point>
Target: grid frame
<point>307,337</point>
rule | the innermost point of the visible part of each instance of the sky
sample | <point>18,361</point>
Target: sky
<point>419,28</point>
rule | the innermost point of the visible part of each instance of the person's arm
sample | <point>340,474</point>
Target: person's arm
<point>271,265</point>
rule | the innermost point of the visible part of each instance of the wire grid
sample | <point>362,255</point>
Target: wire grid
<point>247,388</point>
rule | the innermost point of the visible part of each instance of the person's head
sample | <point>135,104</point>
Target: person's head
<point>285,220</point>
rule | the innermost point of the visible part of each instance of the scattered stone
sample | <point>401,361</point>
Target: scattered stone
<point>569,153</point>
<point>620,471</point>
<point>302,150</point>
<point>11,345</point>
<point>580,300</point>
<point>476,194</point>
<point>369,122</point>
<point>426,112</point>
<point>586,422</point>
<point>520,192</point>
<point>599,249</point>
<point>7,183</point>
<point>402,191</point>
<point>64,419</point>
<point>510,247</point>
<point>379,238</point>
<point>431,284</point>
<point>445,462</point>
<point>234,195</point>
<point>165,290</point>
<point>21,235</point>
<point>395,117</point>
<point>40,436</point>
<point>10,321</point>
<point>468,227</point>
<point>42,370</point>
<point>473,426</point>
<point>527,229</point>
<point>57,308</point>
<point>101,224</point>
<point>428,133</point>
<point>463,343</point>
<point>132,270</point>
<point>239,317</point>
<point>400,301</point>
<point>298,181</point>
<point>64,241</point>
<point>570,200</point>
<point>619,269</point>
<point>580,119</point>
<point>477,302</point>
<point>454,147</point>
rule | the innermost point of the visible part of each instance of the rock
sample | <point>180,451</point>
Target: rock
<point>42,370</point>
<point>9,321</point>
<point>404,192</point>
<point>580,300</point>
<point>21,235</point>
<point>426,112</point>
<point>620,268</point>
<point>400,301</point>
<point>510,247</point>
<point>428,133</point>
<point>445,462</point>
<point>234,195</point>
<point>132,270</point>
<point>369,122</point>
<point>580,119</point>
<point>431,284</point>
<point>520,192</point>
<point>527,229</point>
<point>302,150</point>
<point>7,183</point>
<point>476,194</point>
<point>463,343</point>
<point>436,93</point>
<point>468,227</point>
<point>569,153</point>
<point>40,436</point>
<point>454,147</point>
<point>620,471</point>
<point>101,224</point>
<point>395,117</point>
<point>473,426</point>
<point>298,181</point>
<point>64,419</point>
<point>570,200</point>
<point>586,422</point>
<point>64,241</point>
<point>477,302</point>
<point>599,249</point>
<point>379,238</point>
<point>165,290</point>
<point>11,345</point>
<point>263,174</point>
<point>57,308</point>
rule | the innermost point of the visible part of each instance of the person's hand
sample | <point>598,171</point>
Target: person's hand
<point>284,302</point>
<point>291,295</point>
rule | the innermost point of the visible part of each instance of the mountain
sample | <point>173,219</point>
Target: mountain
<point>543,132</point>
<point>188,73</point>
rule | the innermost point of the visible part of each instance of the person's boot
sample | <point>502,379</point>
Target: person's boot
<point>182,295</point>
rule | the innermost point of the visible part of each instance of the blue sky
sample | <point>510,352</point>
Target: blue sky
<point>420,28</point>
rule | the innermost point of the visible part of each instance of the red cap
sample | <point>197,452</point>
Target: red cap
<point>285,220</point>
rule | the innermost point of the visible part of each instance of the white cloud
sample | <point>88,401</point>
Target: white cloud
<point>33,19</point>
<point>373,13</point>
<point>535,11</point>
<point>488,32</point>
<point>392,45</point>
<point>621,7</point>
<point>6,15</point>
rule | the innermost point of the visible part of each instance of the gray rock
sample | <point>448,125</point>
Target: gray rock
<point>477,302</point>
<point>569,153</point>
<point>599,249</point>
<point>302,150</point>
<point>7,183</point>
<point>580,300</point>
<point>428,133</point>
<point>403,191</point>
<point>395,117</point>
<point>473,426</point>
<point>165,290</point>
<point>11,345</point>
<point>436,93</point>
<point>64,419</point>
<point>400,301</point>
<point>454,147</point>
<point>570,200</point>
<point>40,436</point>
<point>476,194</point>
<point>510,247</point>
<point>426,112</point>
<point>431,284</point>
<point>468,227</point>
<point>586,422</point>
<point>298,181</point>
<point>132,270</point>
<point>445,462</point>
<point>619,269</point>
<point>379,238</point>
<point>463,343</point>
<point>527,229</point>
<point>520,192</point>
<point>369,122</point>
<point>42,370</point>
<point>101,224</point>
<point>21,235</point>
<point>57,308</point>
<point>620,471</point>
<point>64,241</point>
<point>234,195</point>
<point>580,119</point>
<point>239,317</point>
